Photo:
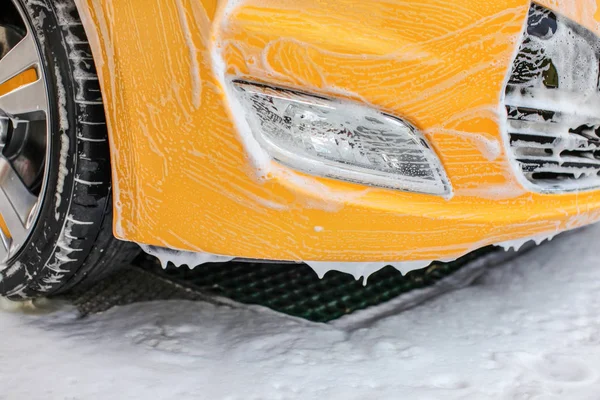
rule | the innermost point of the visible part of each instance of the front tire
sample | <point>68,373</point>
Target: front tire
<point>68,239</point>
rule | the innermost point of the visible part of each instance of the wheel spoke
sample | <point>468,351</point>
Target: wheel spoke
<point>18,59</point>
<point>15,202</point>
<point>24,132</point>
<point>28,98</point>
<point>5,241</point>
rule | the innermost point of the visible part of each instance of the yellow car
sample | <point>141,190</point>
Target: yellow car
<point>347,134</point>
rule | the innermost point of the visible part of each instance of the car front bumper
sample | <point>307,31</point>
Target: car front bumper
<point>184,172</point>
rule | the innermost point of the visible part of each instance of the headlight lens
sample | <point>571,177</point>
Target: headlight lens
<point>341,140</point>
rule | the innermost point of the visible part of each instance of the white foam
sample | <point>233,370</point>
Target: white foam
<point>575,59</point>
<point>193,55</point>
<point>518,243</point>
<point>179,258</point>
<point>63,171</point>
<point>364,269</point>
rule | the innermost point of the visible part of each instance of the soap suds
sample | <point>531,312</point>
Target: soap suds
<point>363,269</point>
<point>63,171</point>
<point>518,243</point>
<point>179,258</point>
<point>193,55</point>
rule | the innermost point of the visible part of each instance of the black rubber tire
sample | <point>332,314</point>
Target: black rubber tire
<point>72,242</point>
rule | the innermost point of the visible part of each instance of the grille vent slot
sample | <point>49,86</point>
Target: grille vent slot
<point>553,104</point>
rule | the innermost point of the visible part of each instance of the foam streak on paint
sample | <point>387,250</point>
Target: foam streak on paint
<point>257,154</point>
<point>194,67</point>
<point>63,171</point>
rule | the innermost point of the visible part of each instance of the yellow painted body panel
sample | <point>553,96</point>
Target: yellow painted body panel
<point>184,178</point>
<point>16,82</point>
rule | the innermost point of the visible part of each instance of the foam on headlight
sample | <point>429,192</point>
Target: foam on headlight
<point>341,140</point>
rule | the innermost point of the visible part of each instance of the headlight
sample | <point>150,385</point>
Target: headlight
<point>342,140</point>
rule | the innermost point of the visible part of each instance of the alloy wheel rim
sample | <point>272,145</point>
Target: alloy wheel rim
<point>24,133</point>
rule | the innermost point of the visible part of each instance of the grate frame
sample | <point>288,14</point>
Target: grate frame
<point>295,289</point>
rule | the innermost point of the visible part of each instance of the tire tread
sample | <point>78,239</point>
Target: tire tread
<point>85,250</point>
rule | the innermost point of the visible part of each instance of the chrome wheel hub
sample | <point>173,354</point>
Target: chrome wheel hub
<point>24,132</point>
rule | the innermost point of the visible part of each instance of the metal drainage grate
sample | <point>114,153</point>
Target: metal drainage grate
<point>295,289</point>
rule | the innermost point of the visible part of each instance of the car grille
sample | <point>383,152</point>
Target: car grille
<point>553,104</point>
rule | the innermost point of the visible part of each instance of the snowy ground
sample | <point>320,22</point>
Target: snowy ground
<point>529,329</point>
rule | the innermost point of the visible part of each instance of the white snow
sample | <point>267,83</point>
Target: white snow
<point>529,329</point>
